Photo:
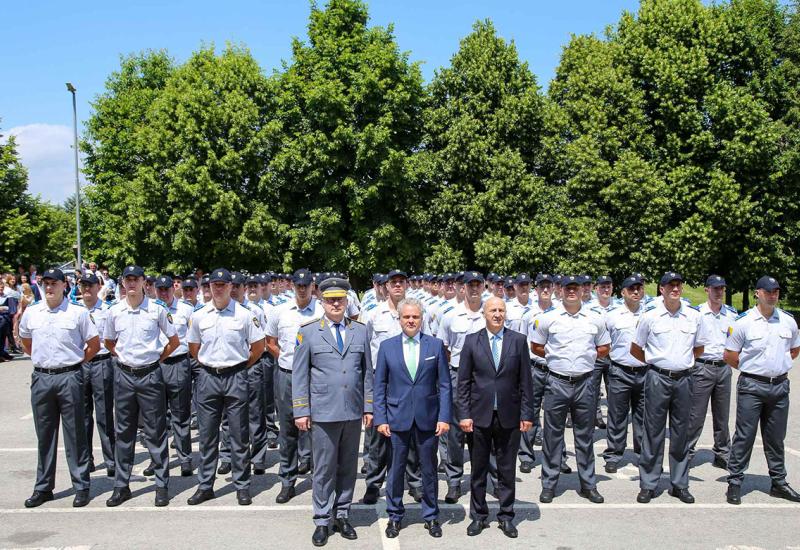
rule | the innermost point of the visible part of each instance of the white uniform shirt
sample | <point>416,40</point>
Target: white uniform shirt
<point>527,325</point>
<point>137,331</point>
<point>99,314</point>
<point>718,325</point>
<point>181,312</point>
<point>353,304</point>
<point>571,341</point>
<point>764,344</point>
<point>668,340</point>
<point>621,323</point>
<point>514,313</point>
<point>455,327</point>
<point>224,335</point>
<point>284,323</point>
<point>382,324</point>
<point>58,336</point>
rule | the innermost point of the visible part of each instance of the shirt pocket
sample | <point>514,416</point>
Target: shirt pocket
<point>756,337</point>
<point>323,349</point>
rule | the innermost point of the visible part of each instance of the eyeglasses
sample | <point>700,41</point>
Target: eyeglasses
<point>333,300</point>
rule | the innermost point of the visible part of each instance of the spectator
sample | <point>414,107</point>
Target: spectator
<point>8,309</point>
<point>26,299</point>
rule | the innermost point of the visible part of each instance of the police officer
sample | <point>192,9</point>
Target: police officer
<point>226,339</point>
<point>332,396</point>
<point>762,344</point>
<point>177,373</point>
<point>711,379</point>
<point>570,339</point>
<point>268,303</point>
<point>132,333</point>
<point>670,336</point>
<point>626,374</point>
<point>282,327</point>
<point>190,297</point>
<point>59,337</point>
<point>521,303</point>
<point>604,286</point>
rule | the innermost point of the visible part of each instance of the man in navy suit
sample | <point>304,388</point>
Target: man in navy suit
<point>495,404</point>
<point>412,398</point>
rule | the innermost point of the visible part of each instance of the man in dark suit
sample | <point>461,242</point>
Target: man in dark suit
<point>495,403</point>
<point>412,398</point>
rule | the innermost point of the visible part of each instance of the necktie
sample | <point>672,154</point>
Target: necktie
<point>339,341</point>
<point>496,351</point>
<point>411,363</point>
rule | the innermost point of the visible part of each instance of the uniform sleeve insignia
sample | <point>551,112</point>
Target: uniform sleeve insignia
<point>730,331</point>
<point>91,318</point>
<point>169,317</point>
<point>256,323</point>
<point>536,324</point>
<point>299,339</point>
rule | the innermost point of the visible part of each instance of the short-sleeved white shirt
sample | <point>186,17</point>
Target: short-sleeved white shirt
<point>763,344</point>
<point>180,312</point>
<point>58,336</point>
<point>455,327</point>
<point>669,340</point>
<point>285,321</point>
<point>621,323</point>
<point>137,331</point>
<point>224,334</point>
<point>718,325</point>
<point>570,341</point>
<point>99,314</point>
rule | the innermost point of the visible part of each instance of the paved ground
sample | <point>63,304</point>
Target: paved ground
<point>569,522</point>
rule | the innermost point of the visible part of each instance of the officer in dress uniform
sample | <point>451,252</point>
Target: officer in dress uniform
<point>711,380</point>
<point>626,374</point>
<point>670,336</point>
<point>762,344</point>
<point>132,333</point>
<point>570,339</point>
<point>332,396</point>
<point>282,327</point>
<point>98,378</point>
<point>59,337</point>
<point>226,339</point>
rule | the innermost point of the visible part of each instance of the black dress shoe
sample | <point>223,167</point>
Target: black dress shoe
<point>259,471</point>
<point>150,470</point>
<point>611,467</point>
<point>453,494</point>
<point>81,499</point>
<point>392,529</point>
<point>537,439</point>
<point>287,494</point>
<point>224,468</point>
<point>720,463</point>
<point>592,496</point>
<point>508,529</point>
<point>162,497</point>
<point>200,496</point>
<point>565,469</point>
<point>243,497</point>
<point>320,536</point>
<point>343,527</point>
<point>371,496</point>
<point>682,494</point>
<point>272,444</point>
<point>92,467</point>
<point>111,472</point>
<point>496,492</point>
<point>186,470</point>
<point>599,422</point>
<point>734,494</point>
<point>303,468</point>
<point>193,424</point>
<point>547,496</point>
<point>476,527</point>
<point>364,468</point>
<point>120,495</point>
<point>526,467</point>
<point>415,493</point>
<point>785,492</point>
<point>38,498</point>
<point>645,496</point>
<point>434,529</point>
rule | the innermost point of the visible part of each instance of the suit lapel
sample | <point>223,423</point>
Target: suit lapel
<point>402,356</point>
<point>486,346</point>
<point>349,336</point>
<point>325,329</point>
<point>423,353</point>
<point>503,350</point>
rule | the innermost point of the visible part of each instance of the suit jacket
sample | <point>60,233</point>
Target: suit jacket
<point>479,381</point>
<point>401,401</point>
<point>328,385</point>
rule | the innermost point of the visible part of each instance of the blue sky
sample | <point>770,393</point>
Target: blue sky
<point>47,43</point>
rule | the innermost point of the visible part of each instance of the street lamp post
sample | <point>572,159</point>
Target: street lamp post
<point>72,90</point>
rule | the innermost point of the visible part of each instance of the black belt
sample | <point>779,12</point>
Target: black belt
<point>225,370</point>
<point>766,379</point>
<point>138,371</point>
<point>712,363</point>
<point>175,359</point>
<point>59,370</point>
<point>540,366</point>
<point>290,372</point>
<point>673,374</point>
<point>629,369</point>
<point>452,368</point>
<point>571,379</point>
<point>98,358</point>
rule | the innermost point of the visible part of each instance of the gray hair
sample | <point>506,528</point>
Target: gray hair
<point>410,302</point>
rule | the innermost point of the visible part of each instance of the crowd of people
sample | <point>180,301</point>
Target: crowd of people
<point>424,364</point>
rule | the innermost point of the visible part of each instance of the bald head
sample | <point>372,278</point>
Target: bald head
<point>494,311</point>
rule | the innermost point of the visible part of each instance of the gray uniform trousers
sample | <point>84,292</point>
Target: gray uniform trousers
<point>380,453</point>
<point>271,417</point>
<point>665,397</point>
<point>767,405</point>
<point>258,422</point>
<point>711,382</point>
<point>178,384</point>
<point>600,375</point>
<point>58,398</point>
<point>625,393</point>
<point>454,467</point>
<point>526,451</point>
<point>335,450</point>
<point>98,380</point>
<point>218,393</point>
<point>294,444</point>
<point>144,396</point>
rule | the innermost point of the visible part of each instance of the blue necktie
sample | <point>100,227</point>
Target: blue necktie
<point>339,341</point>
<point>496,351</point>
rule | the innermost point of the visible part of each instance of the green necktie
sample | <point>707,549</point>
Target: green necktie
<point>411,363</point>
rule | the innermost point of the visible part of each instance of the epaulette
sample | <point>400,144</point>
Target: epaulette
<point>198,306</point>
<point>742,314</point>
<point>696,308</point>
<point>686,300</point>
<point>731,309</point>
<point>650,308</point>
<point>597,309</point>
<point>77,303</point>
<point>612,308</point>
<point>786,312</point>
<point>371,306</point>
<point>161,303</point>
<point>451,308</point>
<point>314,320</point>
<point>354,321</point>
<point>551,308</point>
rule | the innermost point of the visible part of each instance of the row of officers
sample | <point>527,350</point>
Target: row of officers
<point>424,372</point>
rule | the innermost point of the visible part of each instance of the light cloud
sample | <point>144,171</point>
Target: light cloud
<point>46,151</point>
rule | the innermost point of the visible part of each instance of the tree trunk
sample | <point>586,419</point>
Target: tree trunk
<point>745,299</point>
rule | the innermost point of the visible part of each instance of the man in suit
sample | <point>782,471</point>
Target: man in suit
<point>331,396</point>
<point>495,404</point>
<point>412,403</point>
